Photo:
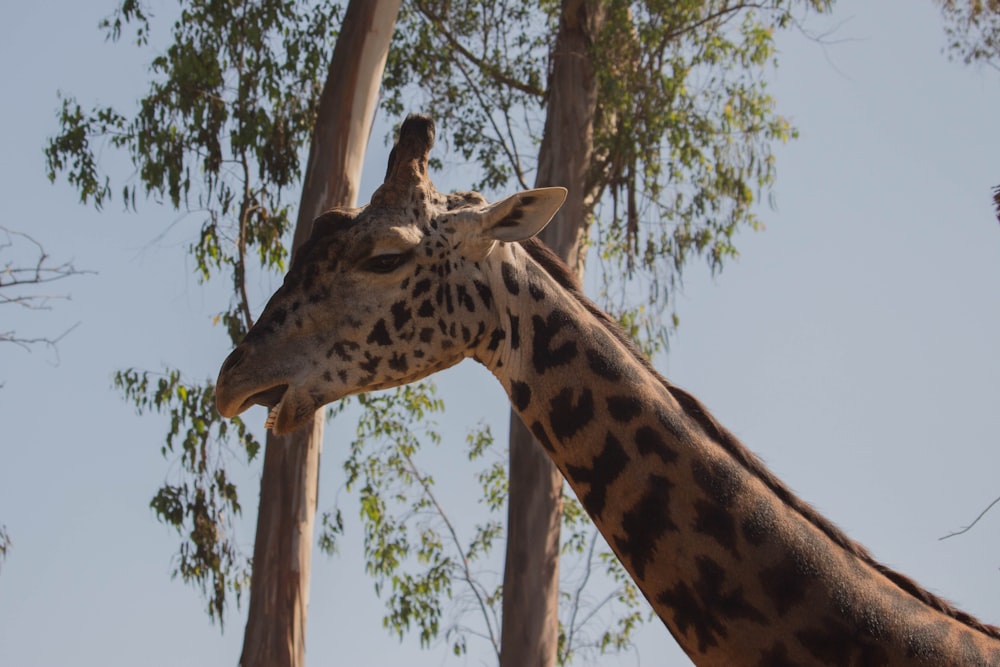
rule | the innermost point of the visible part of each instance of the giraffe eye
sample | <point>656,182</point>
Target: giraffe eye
<point>385,263</point>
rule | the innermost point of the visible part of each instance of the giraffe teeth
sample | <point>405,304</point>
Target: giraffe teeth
<point>272,417</point>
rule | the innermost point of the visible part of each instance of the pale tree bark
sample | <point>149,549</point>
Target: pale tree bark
<point>279,589</point>
<point>530,631</point>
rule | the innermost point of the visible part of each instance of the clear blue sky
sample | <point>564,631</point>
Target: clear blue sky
<point>855,345</point>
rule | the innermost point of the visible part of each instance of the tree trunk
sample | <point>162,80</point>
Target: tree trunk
<point>530,632</point>
<point>279,588</point>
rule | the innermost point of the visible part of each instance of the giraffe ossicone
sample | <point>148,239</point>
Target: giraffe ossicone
<point>740,570</point>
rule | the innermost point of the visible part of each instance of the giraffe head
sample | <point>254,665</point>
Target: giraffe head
<point>381,295</point>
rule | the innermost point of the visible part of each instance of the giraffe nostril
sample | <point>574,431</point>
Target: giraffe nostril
<point>233,360</point>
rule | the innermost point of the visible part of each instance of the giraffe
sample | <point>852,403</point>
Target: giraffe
<point>739,569</point>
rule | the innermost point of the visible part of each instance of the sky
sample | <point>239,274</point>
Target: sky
<point>853,346</point>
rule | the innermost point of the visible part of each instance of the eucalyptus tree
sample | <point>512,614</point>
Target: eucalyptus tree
<point>656,116</point>
<point>235,99</point>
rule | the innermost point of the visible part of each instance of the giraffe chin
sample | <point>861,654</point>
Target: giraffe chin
<point>292,412</point>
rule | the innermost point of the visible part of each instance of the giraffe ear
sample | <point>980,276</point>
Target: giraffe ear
<point>522,215</point>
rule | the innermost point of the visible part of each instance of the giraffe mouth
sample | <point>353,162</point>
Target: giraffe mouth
<point>270,397</point>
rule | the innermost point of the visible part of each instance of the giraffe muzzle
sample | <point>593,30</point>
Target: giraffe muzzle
<point>236,391</point>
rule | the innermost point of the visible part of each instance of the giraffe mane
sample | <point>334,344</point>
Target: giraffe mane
<point>996,200</point>
<point>558,270</point>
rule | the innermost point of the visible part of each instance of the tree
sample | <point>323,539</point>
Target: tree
<point>225,100</point>
<point>218,135</point>
<point>279,594</point>
<point>679,151</point>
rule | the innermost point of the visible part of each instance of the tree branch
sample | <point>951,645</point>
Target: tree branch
<point>466,572</point>
<point>731,11</point>
<point>247,207</point>
<point>577,594</point>
<point>15,277</point>
<point>38,273</point>
<point>26,343</point>
<point>510,151</point>
<point>484,66</point>
<point>974,522</point>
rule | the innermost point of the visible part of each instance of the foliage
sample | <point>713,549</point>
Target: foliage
<point>203,506</point>
<point>973,29</point>
<point>684,133</point>
<point>231,106</point>
<point>416,554</point>
<point>219,135</point>
<point>684,141</point>
<point>614,607</point>
<point>481,66</point>
<point>404,522</point>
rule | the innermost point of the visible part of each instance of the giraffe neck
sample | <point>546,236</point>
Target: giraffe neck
<point>739,569</point>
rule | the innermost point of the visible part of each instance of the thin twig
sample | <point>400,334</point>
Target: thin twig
<point>969,527</point>
<point>38,272</point>
<point>466,572</point>
<point>486,67</point>
<point>26,343</point>
<point>248,206</point>
<point>577,594</point>
<point>511,151</point>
